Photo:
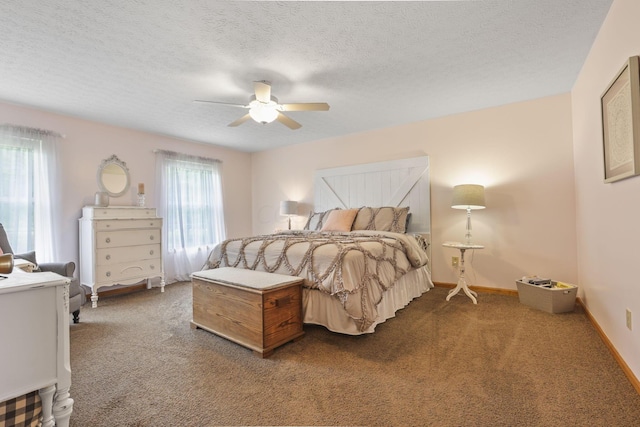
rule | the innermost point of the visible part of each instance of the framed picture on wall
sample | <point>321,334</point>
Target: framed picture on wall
<point>621,123</point>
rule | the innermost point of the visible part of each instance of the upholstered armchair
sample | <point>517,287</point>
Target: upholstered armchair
<point>77,297</point>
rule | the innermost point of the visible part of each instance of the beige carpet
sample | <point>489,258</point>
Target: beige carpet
<point>136,362</point>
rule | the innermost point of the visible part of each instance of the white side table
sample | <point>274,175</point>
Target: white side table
<point>462,283</point>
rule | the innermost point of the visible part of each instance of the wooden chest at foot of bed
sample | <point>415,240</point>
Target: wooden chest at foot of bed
<point>258,310</point>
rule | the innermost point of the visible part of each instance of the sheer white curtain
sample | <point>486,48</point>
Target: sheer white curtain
<point>190,202</point>
<point>29,209</point>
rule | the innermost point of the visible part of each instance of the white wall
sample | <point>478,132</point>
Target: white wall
<point>522,153</point>
<point>608,220</point>
<point>87,143</point>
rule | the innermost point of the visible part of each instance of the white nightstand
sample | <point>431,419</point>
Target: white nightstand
<point>462,283</point>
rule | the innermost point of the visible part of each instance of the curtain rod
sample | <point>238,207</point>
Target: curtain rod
<point>174,153</point>
<point>43,132</point>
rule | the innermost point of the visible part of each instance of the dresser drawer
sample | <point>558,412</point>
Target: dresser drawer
<point>128,270</point>
<point>107,225</point>
<point>110,239</point>
<point>116,255</point>
<point>119,212</point>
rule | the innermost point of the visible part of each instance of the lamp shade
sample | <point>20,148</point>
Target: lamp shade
<point>288,207</point>
<point>468,196</point>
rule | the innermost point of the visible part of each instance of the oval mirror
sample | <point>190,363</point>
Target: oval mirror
<point>113,177</point>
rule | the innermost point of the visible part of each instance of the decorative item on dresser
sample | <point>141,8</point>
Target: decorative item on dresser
<point>36,353</point>
<point>6,263</point>
<point>119,245</point>
<point>113,177</point>
<point>141,195</point>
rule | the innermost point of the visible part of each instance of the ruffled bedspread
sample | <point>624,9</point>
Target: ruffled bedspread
<point>356,267</point>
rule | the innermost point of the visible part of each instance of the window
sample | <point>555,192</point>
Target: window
<point>16,196</point>
<point>28,181</point>
<point>192,210</point>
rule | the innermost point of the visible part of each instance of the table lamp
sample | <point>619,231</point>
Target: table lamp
<point>468,196</point>
<point>288,208</point>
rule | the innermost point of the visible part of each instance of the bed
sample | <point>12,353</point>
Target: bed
<point>360,263</point>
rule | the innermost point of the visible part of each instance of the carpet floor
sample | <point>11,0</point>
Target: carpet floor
<point>136,362</point>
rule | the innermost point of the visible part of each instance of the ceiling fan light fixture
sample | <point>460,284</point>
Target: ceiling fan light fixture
<point>263,112</point>
<point>264,108</point>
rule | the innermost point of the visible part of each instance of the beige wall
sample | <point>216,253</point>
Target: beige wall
<point>522,153</point>
<point>87,143</point>
<point>607,214</point>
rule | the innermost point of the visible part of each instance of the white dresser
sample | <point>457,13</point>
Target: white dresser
<point>35,342</point>
<point>119,245</point>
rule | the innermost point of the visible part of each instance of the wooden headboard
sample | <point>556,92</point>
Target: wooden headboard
<point>394,183</point>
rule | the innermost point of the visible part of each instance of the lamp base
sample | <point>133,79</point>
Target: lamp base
<point>467,236</point>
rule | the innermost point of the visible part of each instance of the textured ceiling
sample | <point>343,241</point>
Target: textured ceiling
<point>141,63</point>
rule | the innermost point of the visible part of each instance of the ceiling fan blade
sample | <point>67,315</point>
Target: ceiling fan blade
<point>308,106</point>
<point>288,122</point>
<point>229,104</point>
<point>240,121</point>
<point>263,91</point>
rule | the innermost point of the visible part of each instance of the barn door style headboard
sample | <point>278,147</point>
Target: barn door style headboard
<point>397,183</point>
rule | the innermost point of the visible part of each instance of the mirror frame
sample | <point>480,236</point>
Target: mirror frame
<point>122,165</point>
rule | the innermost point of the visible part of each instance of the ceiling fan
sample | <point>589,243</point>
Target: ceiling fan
<point>264,107</point>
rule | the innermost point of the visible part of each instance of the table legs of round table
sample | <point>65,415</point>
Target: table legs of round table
<point>462,285</point>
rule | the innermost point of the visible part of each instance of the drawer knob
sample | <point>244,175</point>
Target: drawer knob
<point>108,274</point>
<point>108,240</point>
<point>153,267</point>
<point>151,252</point>
<point>151,237</point>
<point>108,257</point>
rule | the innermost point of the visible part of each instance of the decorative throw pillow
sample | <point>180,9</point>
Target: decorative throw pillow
<point>316,220</point>
<point>386,218</point>
<point>340,220</point>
